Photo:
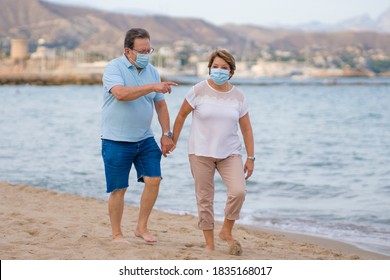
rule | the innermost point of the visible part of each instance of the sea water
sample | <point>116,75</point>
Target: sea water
<point>322,154</point>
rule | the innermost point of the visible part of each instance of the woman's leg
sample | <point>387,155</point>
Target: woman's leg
<point>232,172</point>
<point>203,170</point>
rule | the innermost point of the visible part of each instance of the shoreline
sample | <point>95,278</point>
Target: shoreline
<point>41,224</point>
<point>74,78</point>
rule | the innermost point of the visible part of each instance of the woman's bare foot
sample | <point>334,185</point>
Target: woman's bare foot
<point>208,251</point>
<point>234,246</point>
<point>228,237</point>
<point>145,236</point>
<point>210,248</point>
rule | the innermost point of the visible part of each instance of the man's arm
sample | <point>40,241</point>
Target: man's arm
<point>127,93</point>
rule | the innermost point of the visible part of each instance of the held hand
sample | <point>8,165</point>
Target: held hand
<point>167,145</point>
<point>248,168</point>
<point>165,87</point>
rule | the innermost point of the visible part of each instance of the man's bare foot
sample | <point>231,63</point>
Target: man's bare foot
<point>145,236</point>
<point>120,240</point>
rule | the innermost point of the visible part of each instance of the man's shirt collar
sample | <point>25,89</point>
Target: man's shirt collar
<point>126,61</point>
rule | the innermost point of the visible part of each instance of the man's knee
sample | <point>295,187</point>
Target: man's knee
<point>120,192</point>
<point>152,181</point>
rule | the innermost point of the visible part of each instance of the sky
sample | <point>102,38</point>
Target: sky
<point>257,12</point>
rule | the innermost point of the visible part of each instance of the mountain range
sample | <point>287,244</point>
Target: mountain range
<point>362,22</point>
<point>102,31</point>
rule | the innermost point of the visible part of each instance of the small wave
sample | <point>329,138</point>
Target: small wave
<point>368,237</point>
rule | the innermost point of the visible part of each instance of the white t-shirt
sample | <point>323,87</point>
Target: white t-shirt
<point>215,121</point>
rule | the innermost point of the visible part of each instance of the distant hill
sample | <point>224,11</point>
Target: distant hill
<point>97,30</point>
<point>384,21</point>
<point>102,31</point>
<point>362,22</point>
<point>293,40</point>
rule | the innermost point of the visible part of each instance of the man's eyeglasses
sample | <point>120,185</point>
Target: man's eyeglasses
<point>149,51</point>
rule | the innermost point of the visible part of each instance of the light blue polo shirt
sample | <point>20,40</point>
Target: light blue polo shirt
<point>128,121</point>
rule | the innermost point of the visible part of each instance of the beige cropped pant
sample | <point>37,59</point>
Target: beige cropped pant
<point>231,170</point>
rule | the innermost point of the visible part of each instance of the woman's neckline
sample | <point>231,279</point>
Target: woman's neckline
<point>220,91</point>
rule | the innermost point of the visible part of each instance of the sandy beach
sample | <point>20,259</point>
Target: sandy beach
<point>37,224</point>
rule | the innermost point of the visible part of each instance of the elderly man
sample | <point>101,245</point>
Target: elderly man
<point>132,89</point>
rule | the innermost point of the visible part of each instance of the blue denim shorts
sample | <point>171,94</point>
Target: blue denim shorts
<point>118,158</point>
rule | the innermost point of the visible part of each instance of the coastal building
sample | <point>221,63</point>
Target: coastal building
<point>19,50</point>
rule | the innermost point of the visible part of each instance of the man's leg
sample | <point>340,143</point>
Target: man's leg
<point>117,158</point>
<point>115,211</point>
<point>148,198</point>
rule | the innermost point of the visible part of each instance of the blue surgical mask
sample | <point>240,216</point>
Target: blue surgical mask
<point>219,76</point>
<point>142,60</point>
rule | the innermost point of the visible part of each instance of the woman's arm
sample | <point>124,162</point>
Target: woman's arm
<point>247,134</point>
<point>185,109</point>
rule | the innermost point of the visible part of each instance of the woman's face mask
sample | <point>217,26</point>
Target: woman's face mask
<point>219,76</point>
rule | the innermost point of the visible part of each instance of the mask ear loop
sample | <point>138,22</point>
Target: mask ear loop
<point>133,62</point>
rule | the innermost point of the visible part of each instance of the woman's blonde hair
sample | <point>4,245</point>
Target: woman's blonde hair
<point>225,55</point>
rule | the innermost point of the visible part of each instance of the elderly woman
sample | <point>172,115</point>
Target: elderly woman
<point>218,109</point>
